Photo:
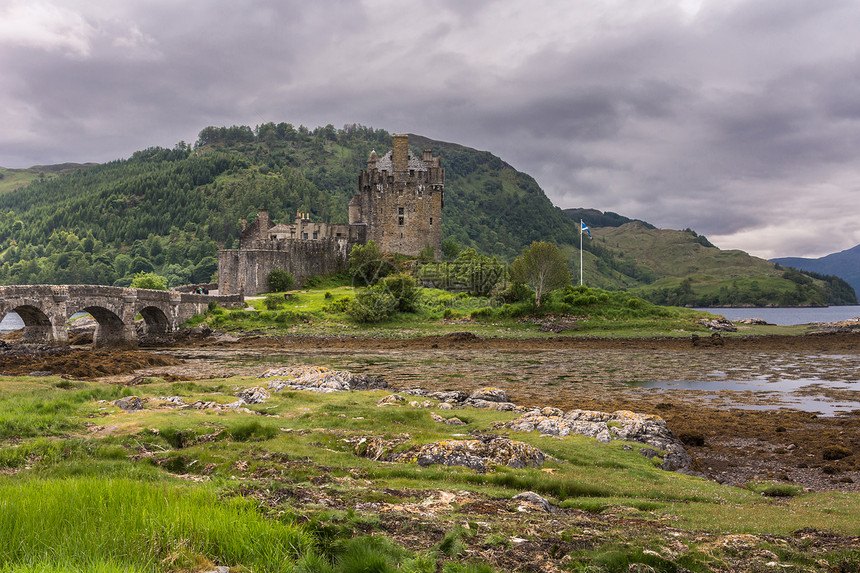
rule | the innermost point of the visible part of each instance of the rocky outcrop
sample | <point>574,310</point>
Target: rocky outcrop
<point>602,426</point>
<point>477,454</point>
<point>719,324</point>
<point>320,379</point>
<point>605,427</point>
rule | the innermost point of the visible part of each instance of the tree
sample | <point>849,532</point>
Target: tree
<point>366,264</point>
<point>543,267</point>
<point>450,249</point>
<point>149,280</point>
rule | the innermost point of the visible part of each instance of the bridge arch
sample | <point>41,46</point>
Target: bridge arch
<point>157,322</point>
<point>37,324</point>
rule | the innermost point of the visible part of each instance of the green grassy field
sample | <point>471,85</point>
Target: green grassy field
<point>87,486</point>
<point>323,310</point>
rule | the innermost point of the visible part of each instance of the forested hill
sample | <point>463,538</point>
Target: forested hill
<point>170,210</point>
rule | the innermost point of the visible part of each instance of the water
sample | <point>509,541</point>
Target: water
<point>803,394</point>
<point>790,316</point>
<point>11,322</point>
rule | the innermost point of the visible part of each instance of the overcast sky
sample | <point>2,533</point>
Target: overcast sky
<point>737,118</point>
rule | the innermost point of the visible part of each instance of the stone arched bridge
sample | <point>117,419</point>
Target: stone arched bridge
<point>46,308</point>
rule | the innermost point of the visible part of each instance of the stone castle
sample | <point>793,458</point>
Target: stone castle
<point>398,206</point>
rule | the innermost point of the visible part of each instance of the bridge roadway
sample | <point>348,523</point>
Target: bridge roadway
<point>46,308</point>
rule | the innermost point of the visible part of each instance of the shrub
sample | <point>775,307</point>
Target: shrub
<point>272,301</point>
<point>212,305</point>
<point>340,304</point>
<point>366,265</point>
<point>480,313</point>
<point>280,280</point>
<point>372,305</point>
<point>289,316</point>
<point>404,289</point>
<point>517,292</point>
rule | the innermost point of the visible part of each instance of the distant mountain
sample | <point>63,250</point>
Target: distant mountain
<point>845,265</point>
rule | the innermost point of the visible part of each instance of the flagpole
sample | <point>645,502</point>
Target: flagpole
<point>580,252</point>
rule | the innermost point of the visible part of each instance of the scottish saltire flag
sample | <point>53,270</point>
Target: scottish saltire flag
<point>586,229</point>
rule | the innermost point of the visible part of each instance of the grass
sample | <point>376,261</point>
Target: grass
<point>322,311</point>
<point>185,489</point>
<point>84,522</point>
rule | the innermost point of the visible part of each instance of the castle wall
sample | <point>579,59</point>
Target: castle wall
<point>247,269</point>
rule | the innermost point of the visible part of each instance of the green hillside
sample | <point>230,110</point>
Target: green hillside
<point>170,210</point>
<point>688,270</point>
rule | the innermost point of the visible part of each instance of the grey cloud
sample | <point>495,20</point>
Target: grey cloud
<point>726,121</point>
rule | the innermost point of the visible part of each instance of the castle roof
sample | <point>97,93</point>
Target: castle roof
<point>385,162</point>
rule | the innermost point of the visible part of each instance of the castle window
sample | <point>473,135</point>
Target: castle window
<point>431,220</point>
<point>304,235</point>
<point>400,216</point>
<point>411,173</point>
<point>316,235</point>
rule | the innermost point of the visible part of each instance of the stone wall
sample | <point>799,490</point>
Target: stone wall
<point>247,270</point>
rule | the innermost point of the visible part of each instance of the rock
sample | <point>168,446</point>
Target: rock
<point>321,379</point>
<point>490,405</point>
<point>40,373</point>
<point>490,394</point>
<point>450,421</point>
<point>391,400</point>
<point>255,395</point>
<point>452,397</point>
<point>477,454</point>
<point>753,321</point>
<point>129,404</point>
<point>533,501</point>
<point>621,425</point>
<point>721,324</point>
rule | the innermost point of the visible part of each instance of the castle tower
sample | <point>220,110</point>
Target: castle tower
<point>400,200</point>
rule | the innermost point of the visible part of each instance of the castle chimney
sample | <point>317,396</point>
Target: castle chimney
<point>400,152</point>
<point>428,155</point>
